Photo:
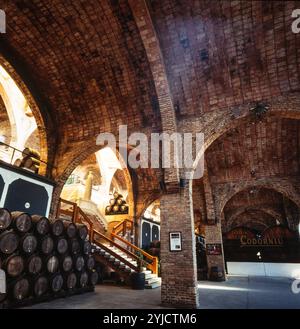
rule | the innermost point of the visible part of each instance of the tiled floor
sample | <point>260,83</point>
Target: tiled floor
<point>107,297</point>
<point>248,293</point>
<point>236,292</point>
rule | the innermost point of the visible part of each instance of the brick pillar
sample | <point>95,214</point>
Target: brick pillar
<point>178,269</point>
<point>213,235</point>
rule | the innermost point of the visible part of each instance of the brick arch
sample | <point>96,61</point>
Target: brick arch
<point>148,202</point>
<point>266,210</point>
<point>152,47</point>
<point>77,159</point>
<point>246,224</point>
<point>43,130</point>
<point>227,194</point>
<point>215,125</point>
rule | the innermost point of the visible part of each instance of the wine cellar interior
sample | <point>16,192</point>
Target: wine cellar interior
<point>77,218</point>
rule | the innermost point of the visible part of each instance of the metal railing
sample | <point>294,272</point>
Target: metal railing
<point>10,155</point>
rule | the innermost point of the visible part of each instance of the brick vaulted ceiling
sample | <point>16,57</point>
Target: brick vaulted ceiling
<point>219,54</point>
<point>258,208</point>
<point>265,149</point>
<point>88,61</point>
<point>256,152</point>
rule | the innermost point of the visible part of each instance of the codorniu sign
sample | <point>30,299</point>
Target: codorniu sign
<point>265,242</point>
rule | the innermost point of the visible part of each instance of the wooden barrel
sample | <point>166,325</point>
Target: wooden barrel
<point>74,246</point>
<point>5,219</point>
<point>9,242</point>
<point>216,274</point>
<point>112,202</point>
<point>79,263</point>
<point>108,209</point>
<point>61,245</point>
<point>46,245</point>
<point>30,163</point>
<point>34,264</point>
<point>93,278</point>
<point>42,224</point>
<point>56,282</point>
<point>82,231</point>
<point>124,208</point>
<point>57,227</point>
<point>82,279</point>
<point>31,152</point>
<point>40,285</point>
<point>116,195</point>
<point>28,243</point>
<point>90,262</point>
<point>120,201</point>
<point>70,281</point>
<point>116,208</point>
<point>66,263</point>
<point>19,289</point>
<point>86,247</point>
<point>13,265</point>
<point>70,229</point>
<point>52,264</point>
<point>21,221</point>
<point>34,168</point>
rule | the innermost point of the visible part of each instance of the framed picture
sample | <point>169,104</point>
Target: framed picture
<point>175,241</point>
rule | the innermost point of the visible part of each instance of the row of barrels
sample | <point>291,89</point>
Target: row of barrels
<point>42,257</point>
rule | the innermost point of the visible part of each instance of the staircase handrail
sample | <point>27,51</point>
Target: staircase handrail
<point>153,265</point>
<point>117,256</point>
<point>122,226</point>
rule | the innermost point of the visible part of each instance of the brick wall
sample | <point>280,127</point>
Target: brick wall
<point>178,268</point>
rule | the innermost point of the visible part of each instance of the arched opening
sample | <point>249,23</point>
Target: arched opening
<point>272,220</point>
<point>93,186</point>
<point>20,125</point>
<point>150,229</point>
<point>255,163</point>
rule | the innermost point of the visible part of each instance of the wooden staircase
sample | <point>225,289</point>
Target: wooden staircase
<point>115,251</point>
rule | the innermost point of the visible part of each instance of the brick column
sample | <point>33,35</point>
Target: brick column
<point>178,269</point>
<point>213,235</point>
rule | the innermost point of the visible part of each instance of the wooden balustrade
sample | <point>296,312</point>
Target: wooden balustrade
<point>151,262</point>
<point>122,227</point>
<point>153,265</point>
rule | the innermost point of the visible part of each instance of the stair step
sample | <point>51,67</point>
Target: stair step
<point>150,276</point>
<point>152,280</point>
<point>153,285</point>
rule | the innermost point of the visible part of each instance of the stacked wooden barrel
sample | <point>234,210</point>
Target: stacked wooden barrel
<point>43,258</point>
<point>31,159</point>
<point>117,205</point>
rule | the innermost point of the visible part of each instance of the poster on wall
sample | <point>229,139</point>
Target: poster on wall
<point>213,249</point>
<point>175,241</point>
